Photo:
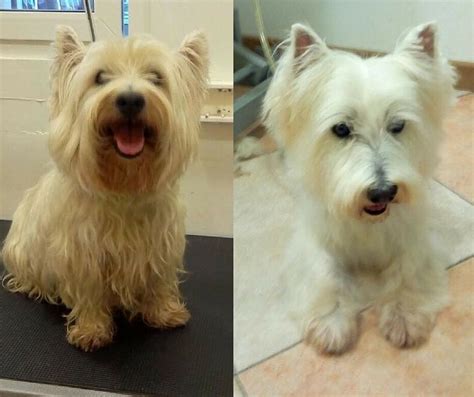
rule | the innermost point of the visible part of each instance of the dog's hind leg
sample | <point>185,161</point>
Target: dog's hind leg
<point>23,273</point>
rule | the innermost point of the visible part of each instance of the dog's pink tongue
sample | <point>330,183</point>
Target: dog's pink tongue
<point>130,138</point>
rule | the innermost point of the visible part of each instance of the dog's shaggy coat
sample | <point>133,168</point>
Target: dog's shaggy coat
<point>347,127</point>
<point>100,231</point>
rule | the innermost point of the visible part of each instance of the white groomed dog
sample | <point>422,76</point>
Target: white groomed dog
<point>104,229</point>
<point>360,138</point>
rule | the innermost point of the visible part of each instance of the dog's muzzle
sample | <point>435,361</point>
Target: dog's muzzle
<point>130,104</point>
<point>380,197</point>
<point>130,133</point>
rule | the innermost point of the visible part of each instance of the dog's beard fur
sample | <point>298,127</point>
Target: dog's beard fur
<point>315,89</point>
<point>102,231</point>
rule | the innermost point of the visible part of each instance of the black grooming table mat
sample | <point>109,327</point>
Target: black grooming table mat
<point>192,361</point>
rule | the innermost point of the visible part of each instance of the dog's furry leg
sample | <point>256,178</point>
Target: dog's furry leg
<point>90,323</point>
<point>333,327</point>
<point>323,300</point>
<point>405,325</point>
<point>407,319</point>
<point>18,280</point>
<point>169,313</point>
<point>163,307</point>
<point>22,256</point>
<point>89,327</point>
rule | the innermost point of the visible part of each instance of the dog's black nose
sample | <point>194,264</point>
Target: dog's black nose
<point>382,194</point>
<point>130,103</point>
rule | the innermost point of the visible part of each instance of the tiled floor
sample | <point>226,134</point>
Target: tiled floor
<point>457,154</point>
<point>270,359</point>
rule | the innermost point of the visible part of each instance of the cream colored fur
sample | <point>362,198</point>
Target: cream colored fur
<point>386,260</point>
<point>100,232</point>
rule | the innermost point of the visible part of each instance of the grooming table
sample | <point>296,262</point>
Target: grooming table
<point>195,360</point>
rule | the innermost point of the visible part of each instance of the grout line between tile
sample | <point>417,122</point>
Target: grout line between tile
<point>241,386</point>
<point>460,261</point>
<point>452,191</point>
<point>269,357</point>
<point>467,201</point>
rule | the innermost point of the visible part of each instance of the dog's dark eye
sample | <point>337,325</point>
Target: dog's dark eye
<point>156,78</point>
<point>396,127</point>
<point>100,78</point>
<point>341,130</point>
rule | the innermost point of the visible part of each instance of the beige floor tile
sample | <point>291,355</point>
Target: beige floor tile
<point>440,367</point>
<point>263,295</point>
<point>456,169</point>
<point>261,324</point>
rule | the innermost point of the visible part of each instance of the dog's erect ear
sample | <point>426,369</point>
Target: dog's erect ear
<point>305,43</point>
<point>69,53</point>
<point>421,40</point>
<point>68,44</point>
<point>194,50</point>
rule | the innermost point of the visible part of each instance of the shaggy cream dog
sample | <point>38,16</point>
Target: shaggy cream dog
<point>104,229</point>
<point>359,138</point>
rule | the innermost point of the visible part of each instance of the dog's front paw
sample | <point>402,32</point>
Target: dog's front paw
<point>405,328</point>
<point>334,333</point>
<point>90,337</point>
<point>170,315</point>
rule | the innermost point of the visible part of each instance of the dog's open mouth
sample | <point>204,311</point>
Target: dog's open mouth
<point>375,209</point>
<point>129,138</point>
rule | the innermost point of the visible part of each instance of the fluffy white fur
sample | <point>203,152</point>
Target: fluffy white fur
<point>101,232</point>
<point>360,259</point>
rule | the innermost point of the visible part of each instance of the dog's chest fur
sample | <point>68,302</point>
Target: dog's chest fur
<point>362,246</point>
<point>129,241</point>
<point>137,244</point>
